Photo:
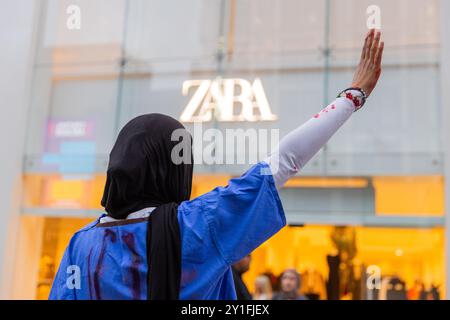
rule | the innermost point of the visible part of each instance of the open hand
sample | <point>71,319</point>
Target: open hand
<point>369,69</point>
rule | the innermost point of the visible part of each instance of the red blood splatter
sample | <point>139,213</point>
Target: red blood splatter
<point>98,267</point>
<point>89,273</point>
<point>333,107</point>
<point>128,238</point>
<point>316,116</point>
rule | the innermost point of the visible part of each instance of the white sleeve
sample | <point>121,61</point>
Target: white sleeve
<point>301,144</point>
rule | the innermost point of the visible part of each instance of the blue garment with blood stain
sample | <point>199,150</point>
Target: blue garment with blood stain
<point>217,229</point>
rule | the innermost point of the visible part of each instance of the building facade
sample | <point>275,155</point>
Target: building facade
<point>375,196</point>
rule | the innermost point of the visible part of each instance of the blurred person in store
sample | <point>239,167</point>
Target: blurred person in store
<point>263,288</point>
<point>239,268</point>
<point>154,242</point>
<point>290,283</point>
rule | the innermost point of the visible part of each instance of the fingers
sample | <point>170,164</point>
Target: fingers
<point>379,55</point>
<point>375,45</point>
<point>367,44</point>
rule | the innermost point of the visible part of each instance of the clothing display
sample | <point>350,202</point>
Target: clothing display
<point>357,288</point>
<point>313,285</point>
<point>333,277</point>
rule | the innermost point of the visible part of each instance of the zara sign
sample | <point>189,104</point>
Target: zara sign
<point>222,97</point>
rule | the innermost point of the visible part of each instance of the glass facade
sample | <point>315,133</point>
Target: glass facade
<point>373,196</point>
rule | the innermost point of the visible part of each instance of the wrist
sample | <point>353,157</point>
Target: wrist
<point>356,95</point>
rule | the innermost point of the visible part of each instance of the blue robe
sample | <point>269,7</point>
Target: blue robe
<point>217,229</point>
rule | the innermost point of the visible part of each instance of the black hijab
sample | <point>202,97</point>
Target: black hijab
<point>141,173</point>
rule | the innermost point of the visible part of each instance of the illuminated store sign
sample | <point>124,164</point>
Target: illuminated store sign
<point>70,129</point>
<point>227,100</point>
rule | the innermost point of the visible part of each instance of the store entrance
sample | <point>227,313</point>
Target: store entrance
<point>353,263</point>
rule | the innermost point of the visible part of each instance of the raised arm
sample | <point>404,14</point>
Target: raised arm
<point>229,222</point>
<point>300,145</point>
